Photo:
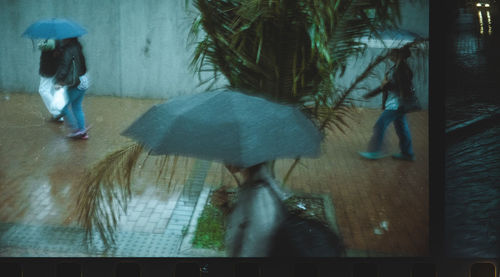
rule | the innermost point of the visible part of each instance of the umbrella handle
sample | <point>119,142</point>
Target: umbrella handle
<point>295,162</point>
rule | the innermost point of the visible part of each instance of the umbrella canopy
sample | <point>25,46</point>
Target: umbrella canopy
<point>390,38</point>
<point>54,28</point>
<point>226,126</point>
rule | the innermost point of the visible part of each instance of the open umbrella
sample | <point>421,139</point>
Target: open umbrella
<point>226,126</point>
<point>54,28</point>
<point>391,38</point>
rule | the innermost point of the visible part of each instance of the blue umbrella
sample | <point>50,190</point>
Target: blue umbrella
<point>54,28</point>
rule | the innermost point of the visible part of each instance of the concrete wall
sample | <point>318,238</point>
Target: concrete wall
<point>138,48</point>
<point>134,48</point>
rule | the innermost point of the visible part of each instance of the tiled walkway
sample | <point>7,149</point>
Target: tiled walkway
<point>40,172</point>
<point>368,195</point>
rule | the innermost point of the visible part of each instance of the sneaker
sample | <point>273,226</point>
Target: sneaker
<point>403,157</point>
<point>81,134</point>
<point>372,155</point>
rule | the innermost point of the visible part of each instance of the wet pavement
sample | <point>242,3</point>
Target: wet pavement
<point>40,175</point>
<point>472,171</point>
<point>41,169</point>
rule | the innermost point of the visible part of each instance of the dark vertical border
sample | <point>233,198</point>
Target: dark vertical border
<point>436,127</point>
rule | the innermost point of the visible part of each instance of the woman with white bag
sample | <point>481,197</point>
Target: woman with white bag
<point>49,60</point>
<point>71,73</point>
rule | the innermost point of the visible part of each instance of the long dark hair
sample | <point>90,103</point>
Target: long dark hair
<point>402,53</point>
<point>404,74</point>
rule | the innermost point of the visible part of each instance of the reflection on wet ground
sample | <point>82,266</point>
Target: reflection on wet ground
<point>381,207</point>
<point>473,142</point>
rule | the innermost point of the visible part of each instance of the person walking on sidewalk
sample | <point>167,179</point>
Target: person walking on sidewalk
<point>49,61</point>
<point>72,73</point>
<point>398,99</point>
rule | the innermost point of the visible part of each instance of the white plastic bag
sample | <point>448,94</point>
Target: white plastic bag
<point>46,91</point>
<point>60,99</point>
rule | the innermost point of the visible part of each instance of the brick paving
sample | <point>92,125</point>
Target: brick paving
<point>40,172</point>
<point>367,193</point>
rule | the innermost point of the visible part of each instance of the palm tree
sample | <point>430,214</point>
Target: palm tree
<point>287,50</point>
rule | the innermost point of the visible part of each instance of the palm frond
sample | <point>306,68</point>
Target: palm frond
<point>104,188</point>
<point>289,50</point>
<point>285,49</point>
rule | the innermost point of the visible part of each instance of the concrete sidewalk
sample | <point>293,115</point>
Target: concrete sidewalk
<point>381,207</point>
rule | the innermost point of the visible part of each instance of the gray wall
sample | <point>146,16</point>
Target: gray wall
<point>139,48</point>
<point>134,48</point>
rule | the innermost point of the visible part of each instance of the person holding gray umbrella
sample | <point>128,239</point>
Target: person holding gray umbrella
<point>244,133</point>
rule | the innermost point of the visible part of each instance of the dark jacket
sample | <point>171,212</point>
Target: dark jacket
<point>399,82</point>
<point>72,51</point>
<point>49,61</point>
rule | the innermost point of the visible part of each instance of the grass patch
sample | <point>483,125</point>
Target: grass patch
<point>210,230</point>
<point>211,227</point>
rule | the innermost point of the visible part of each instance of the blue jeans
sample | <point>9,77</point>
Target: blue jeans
<point>401,126</point>
<point>74,117</point>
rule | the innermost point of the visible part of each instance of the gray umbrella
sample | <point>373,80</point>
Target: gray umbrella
<point>226,126</point>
